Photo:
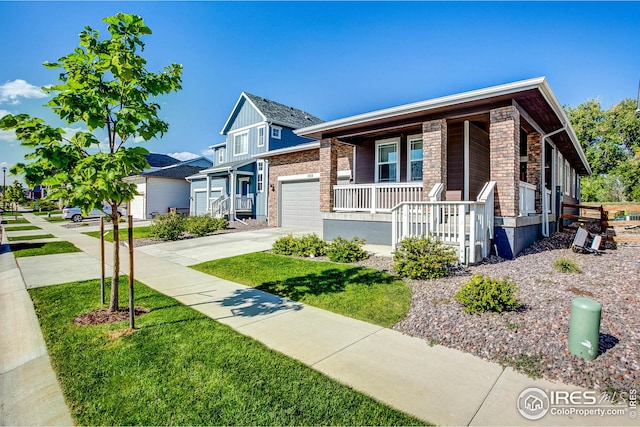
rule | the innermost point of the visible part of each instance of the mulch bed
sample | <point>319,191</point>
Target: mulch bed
<point>103,315</point>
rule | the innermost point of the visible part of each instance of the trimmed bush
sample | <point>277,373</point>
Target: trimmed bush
<point>566,265</point>
<point>311,245</point>
<point>204,225</point>
<point>305,246</point>
<point>168,226</point>
<point>285,245</point>
<point>423,258</point>
<point>343,250</point>
<point>482,293</point>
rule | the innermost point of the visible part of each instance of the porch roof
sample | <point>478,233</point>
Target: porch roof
<point>534,96</point>
<point>226,167</point>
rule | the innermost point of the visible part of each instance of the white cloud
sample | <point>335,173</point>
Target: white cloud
<point>207,153</point>
<point>11,92</point>
<point>183,155</point>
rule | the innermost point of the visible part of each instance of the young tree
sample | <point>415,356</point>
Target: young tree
<point>15,195</point>
<point>104,84</point>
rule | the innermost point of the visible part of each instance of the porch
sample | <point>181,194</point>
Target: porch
<point>226,205</point>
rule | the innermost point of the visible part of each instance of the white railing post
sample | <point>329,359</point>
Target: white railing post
<point>394,229</point>
<point>472,234</point>
<point>461,229</point>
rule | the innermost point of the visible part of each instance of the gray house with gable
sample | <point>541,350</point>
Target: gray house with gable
<point>236,186</point>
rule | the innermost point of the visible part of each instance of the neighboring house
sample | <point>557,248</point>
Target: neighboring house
<point>163,186</point>
<point>480,170</point>
<point>236,184</point>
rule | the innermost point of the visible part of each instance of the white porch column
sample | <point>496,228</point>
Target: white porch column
<point>232,194</point>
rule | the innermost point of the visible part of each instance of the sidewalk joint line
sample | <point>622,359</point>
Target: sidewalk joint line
<point>347,346</point>
<point>475,414</point>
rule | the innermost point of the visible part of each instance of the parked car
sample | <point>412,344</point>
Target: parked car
<point>75,214</point>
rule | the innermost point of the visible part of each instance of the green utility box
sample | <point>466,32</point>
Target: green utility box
<point>584,329</point>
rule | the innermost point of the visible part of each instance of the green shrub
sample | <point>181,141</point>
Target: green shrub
<point>343,250</point>
<point>168,226</point>
<point>482,293</point>
<point>566,265</point>
<point>285,245</point>
<point>423,258</point>
<point>204,224</point>
<point>44,205</point>
<point>311,245</point>
<point>307,245</point>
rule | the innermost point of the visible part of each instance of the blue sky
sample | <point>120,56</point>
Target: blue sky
<point>332,59</point>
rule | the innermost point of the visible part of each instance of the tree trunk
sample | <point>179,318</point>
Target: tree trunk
<point>115,277</point>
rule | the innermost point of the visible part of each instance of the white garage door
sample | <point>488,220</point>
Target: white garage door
<point>137,207</point>
<point>300,204</point>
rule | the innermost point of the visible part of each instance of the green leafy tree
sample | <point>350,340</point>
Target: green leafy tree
<point>15,195</point>
<point>611,140</point>
<point>105,85</point>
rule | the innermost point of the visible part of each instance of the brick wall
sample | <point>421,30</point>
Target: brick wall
<point>300,163</point>
<point>504,144</point>
<point>434,155</point>
<point>534,165</point>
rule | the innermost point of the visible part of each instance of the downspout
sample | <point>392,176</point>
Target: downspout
<point>543,186</point>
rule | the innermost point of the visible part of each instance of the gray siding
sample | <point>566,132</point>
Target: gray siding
<point>246,116</point>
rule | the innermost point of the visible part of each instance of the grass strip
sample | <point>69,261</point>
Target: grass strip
<point>22,228</point>
<point>362,293</point>
<point>55,219</point>
<point>20,220</point>
<point>43,213</point>
<point>34,237</point>
<point>123,233</point>
<point>182,368</point>
<point>36,249</point>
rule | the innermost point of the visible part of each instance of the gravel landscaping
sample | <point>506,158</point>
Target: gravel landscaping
<point>534,338</point>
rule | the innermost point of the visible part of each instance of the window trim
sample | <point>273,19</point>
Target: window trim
<point>221,155</point>
<point>238,135</point>
<point>275,129</point>
<point>388,141</point>
<point>410,139</point>
<point>262,138</point>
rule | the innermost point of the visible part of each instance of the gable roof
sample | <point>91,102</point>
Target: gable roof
<point>157,160</point>
<point>273,112</point>
<point>176,172</point>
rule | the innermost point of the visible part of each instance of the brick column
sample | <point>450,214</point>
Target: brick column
<point>434,155</point>
<point>328,172</point>
<point>534,166</point>
<point>504,143</point>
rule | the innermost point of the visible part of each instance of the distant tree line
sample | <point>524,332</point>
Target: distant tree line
<point>611,142</point>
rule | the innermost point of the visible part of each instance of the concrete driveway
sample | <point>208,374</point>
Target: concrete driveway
<point>194,251</point>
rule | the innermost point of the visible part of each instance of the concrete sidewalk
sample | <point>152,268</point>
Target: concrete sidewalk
<point>434,383</point>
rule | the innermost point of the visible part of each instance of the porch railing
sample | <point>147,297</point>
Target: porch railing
<point>464,224</point>
<point>527,198</point>
<point>220,206</point>
<point>244,203</point>
<point>374,197</point>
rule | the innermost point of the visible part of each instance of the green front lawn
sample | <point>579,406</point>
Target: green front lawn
<point>182,368</point>
<point>361,293</point>
<point>34,237</point>
<point>123,234</point>
<point>36,249</point>
<point>22,228</point>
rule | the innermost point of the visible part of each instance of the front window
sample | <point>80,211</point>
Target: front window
<point>221,155</point>
<point>261,136</point>
<point>241,144</point>
<point>415,158</point>
<point>387,157</point>
<point>260,182</point>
